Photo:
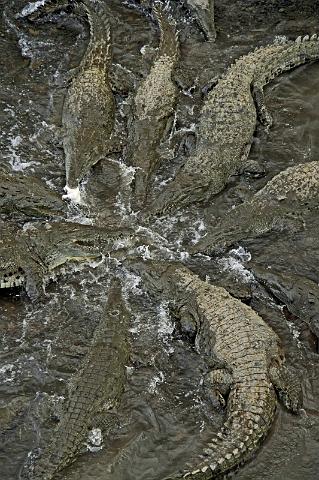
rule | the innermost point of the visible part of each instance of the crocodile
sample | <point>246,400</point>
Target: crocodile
<point>153,105</point>
<point>88,114</point>
<point>249,364</point>
<point>22,195</point>
<point>228,120</point>
<point>204,14</point>
<point>31,256</point>
<point>94,391</point>
<point>280,205</point>
<point>300,294</point>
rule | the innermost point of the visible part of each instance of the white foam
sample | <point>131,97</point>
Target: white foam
<point>235,263</point>
<point>32,7</point>
<point>166,325</point>
<point>156,380</point>
<point>72,194</point>
<point>95,440</point>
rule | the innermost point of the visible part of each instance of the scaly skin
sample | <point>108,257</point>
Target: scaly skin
<point>22,195</point>
<point>250,365</point>
<point>300,294</point>
<point>95,390</point>
<point>89,108</point>
<point>281,204</point>
<point>153,105</point>
<point>228,120</point>
<point>204,12</point>
<point>30,256</point>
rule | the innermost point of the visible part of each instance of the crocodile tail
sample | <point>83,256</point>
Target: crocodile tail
<point>238,439</point>
<point>284,55</point>
<point>169,44</point>
<point>99,51</point>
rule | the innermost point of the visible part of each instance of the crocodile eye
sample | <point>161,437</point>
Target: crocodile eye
<point>115,313</point>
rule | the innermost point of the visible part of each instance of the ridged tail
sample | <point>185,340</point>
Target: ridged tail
<point>284,56</point>
<point>169,45</point>
<point>239,438</point>
<point>99,51</point>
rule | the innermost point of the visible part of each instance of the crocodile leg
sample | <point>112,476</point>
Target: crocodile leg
<point>263,114</point>
<point>218,383</point>
<point>287,386</point>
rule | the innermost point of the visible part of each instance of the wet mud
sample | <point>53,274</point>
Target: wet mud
<point>165,414</point>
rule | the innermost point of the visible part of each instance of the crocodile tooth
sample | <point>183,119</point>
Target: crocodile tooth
<point>305,38</point>
<point>195,471</point>
<point>204,469</point>
<point>314,37</point>
<point>213,466</point>
<point>298,39</point>
<point>235,451</point>
<point>228,456</point>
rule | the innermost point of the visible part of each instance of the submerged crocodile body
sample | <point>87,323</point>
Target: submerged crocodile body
<point>298,293</point>
<point>153,105</point>
<point>282,203</point>
<point>30,256</point>
<point>22,195</point>
<point>249,361</point>
<point>228,120</point>
<point>89,109</point>
<point>94,391</point>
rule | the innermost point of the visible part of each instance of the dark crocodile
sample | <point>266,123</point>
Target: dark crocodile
<point>228,121</point>
<point>22,195</point>
<point>282,204</point>
<point>249,362</point>
<point>94,392</point>
<point>154,104</point>
<point>203,11</point>
<point>299,294</point>
<point>89,108</point>
<point>30,256</point>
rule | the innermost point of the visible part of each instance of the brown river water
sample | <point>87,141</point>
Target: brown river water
<point>165,416</point>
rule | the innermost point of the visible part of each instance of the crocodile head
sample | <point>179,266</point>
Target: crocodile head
<point>183,191</point>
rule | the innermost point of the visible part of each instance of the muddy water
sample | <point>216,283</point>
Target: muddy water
<point>165,415</point>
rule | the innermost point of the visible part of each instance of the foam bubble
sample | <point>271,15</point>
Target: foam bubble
<point>72,194</point>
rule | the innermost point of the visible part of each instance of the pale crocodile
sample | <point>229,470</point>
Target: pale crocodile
<point>30,256</point>
<point>89,109</point>
<point>94,392</point>
<point>281,204</point>
<point>22,195</point>
<point>154,104</point>
<point>228,120</point>
<point>250,365</point>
